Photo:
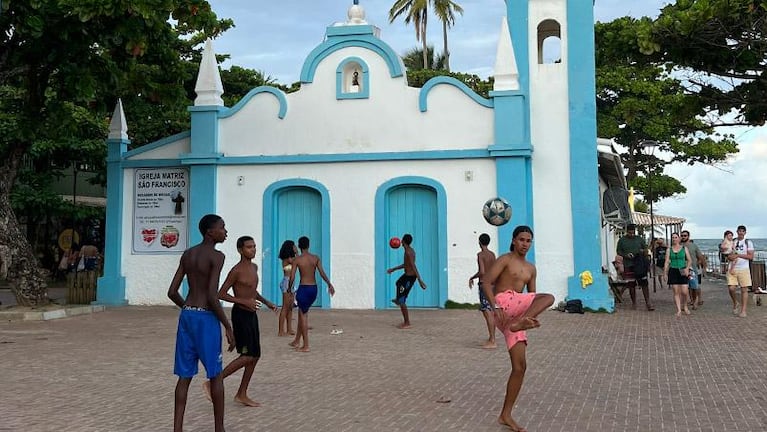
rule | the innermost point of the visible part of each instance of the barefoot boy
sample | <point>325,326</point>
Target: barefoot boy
<point>406,281</point>
<point>199,332</point>
<point>485,260</point>
<point>515,311</point>
<point>243,277</point>
<point>306,264</point>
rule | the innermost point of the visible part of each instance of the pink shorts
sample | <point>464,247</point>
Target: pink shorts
<point>514,305</point>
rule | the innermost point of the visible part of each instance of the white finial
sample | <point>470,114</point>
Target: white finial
<point>356,14</point>
<point>118,127</point>
<point>506,73</point>
<point>208,88</point>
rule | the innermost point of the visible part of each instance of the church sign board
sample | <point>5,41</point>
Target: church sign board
<point>160,210</point>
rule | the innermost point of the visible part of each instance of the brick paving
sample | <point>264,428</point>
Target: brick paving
<point>628,371</point>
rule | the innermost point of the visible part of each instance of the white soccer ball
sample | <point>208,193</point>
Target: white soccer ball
<point>497,211</point>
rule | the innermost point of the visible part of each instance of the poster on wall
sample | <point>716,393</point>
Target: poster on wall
<point>160,216</point>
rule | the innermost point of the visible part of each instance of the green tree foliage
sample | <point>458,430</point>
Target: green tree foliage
<point>413,59</point>
<point>64,62</point>
<point>721,47</point>
<point>638,100</point>
<point>482,87</point>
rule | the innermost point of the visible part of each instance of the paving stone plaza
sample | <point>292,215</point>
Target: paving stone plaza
<point>628,371</point>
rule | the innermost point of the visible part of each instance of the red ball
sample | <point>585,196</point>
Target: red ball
<point>394,242</point>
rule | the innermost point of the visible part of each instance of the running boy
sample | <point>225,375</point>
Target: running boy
<point>243,277</point>
<point>199,333</point>
<point>485,260</point>
<point>406,281</point>
<point>515,311</point>
<point>307,264</point>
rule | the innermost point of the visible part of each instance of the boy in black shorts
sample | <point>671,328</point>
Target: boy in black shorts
<point>243,277</point>
<point>406,281</point>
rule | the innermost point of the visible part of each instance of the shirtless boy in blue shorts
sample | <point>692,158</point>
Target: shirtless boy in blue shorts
<point>485,260</point>
<point>198,337</point>
<point>407,280</point>
<point>306,264</point>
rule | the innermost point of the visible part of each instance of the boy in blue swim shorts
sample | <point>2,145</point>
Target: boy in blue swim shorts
<point>198,337</point>
<point>307,265</point>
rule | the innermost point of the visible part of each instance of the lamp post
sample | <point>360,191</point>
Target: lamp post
<point>648,149</point>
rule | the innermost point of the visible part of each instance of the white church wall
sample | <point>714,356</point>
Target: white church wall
<point>550,137</point>
<point>387,122</point>
<point>353,244</point>
<point>168,151</point>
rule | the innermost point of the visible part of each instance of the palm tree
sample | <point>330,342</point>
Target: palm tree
<point>445,11</point>
<point>413,59</point>
<point>415,11</point>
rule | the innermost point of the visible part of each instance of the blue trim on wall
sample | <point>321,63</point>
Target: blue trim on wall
<point>340,93</point>
<point>382,243</point>
<point>333,44</point>
<point>157,144</point>
<point>354,157</point>
<point>424,93</point>
<point>514,182</point>
<point>584,176</point>
<point>111,286</point>
<point>269,284</point>
<point>279,94</point>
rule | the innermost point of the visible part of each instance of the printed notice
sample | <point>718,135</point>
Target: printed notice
<point>160,206</point>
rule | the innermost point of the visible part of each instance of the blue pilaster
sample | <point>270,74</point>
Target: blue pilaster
<point>202,162</point>
<point>513,165</point>
<point>111,286</point>
<point>584,176</point>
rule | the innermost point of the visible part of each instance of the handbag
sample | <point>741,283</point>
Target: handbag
<point>641,266</point>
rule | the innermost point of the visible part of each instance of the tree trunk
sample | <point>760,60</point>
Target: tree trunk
<point>19,261</point>
<point>445,51</point>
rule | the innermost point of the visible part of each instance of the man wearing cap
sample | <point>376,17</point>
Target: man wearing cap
<point>633,248</point>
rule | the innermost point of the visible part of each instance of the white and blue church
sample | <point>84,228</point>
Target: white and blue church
<point>356,157</point>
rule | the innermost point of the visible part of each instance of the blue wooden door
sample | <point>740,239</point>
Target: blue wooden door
<point>412,209</point>
<point>298,213</point>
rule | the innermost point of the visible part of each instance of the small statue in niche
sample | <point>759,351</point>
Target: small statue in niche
<point>355,88</point>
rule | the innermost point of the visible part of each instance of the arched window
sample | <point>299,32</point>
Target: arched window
<point>549,42</point>
<point>352,79</point>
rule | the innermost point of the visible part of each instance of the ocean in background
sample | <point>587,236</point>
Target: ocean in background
<point>712,245</point>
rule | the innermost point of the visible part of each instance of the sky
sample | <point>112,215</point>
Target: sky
<point>276,37</point>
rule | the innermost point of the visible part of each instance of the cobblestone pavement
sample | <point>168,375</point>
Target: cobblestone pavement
<point>628,371</point>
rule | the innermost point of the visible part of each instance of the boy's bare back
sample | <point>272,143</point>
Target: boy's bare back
<point>409,261</point>
<point>202,265</point>
<point>515,274</point>
<point>486,259</point>
<point>307,266</point>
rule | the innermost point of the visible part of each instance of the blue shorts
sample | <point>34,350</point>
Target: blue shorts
<point>484,303</point>
<point>305,297</point>
<point>198,338</point>
<point>693,283</point>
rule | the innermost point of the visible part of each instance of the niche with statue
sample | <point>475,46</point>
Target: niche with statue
<point>352,79</point>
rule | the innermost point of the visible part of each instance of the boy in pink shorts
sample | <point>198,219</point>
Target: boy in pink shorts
<point>515,311</point>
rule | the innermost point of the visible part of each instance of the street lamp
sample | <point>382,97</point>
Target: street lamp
<point>648,149</point>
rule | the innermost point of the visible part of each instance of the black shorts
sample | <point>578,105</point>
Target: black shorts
<point>247,337</point>
<point>404,284</point>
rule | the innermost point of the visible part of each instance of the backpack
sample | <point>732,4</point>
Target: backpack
<point>641,266</point>
<point>574,306</point>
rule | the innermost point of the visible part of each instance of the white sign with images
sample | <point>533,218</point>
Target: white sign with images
<point>160,215</point>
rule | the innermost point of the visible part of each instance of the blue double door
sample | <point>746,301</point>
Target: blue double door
<point>298,212</point>
<point>412,209</point>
